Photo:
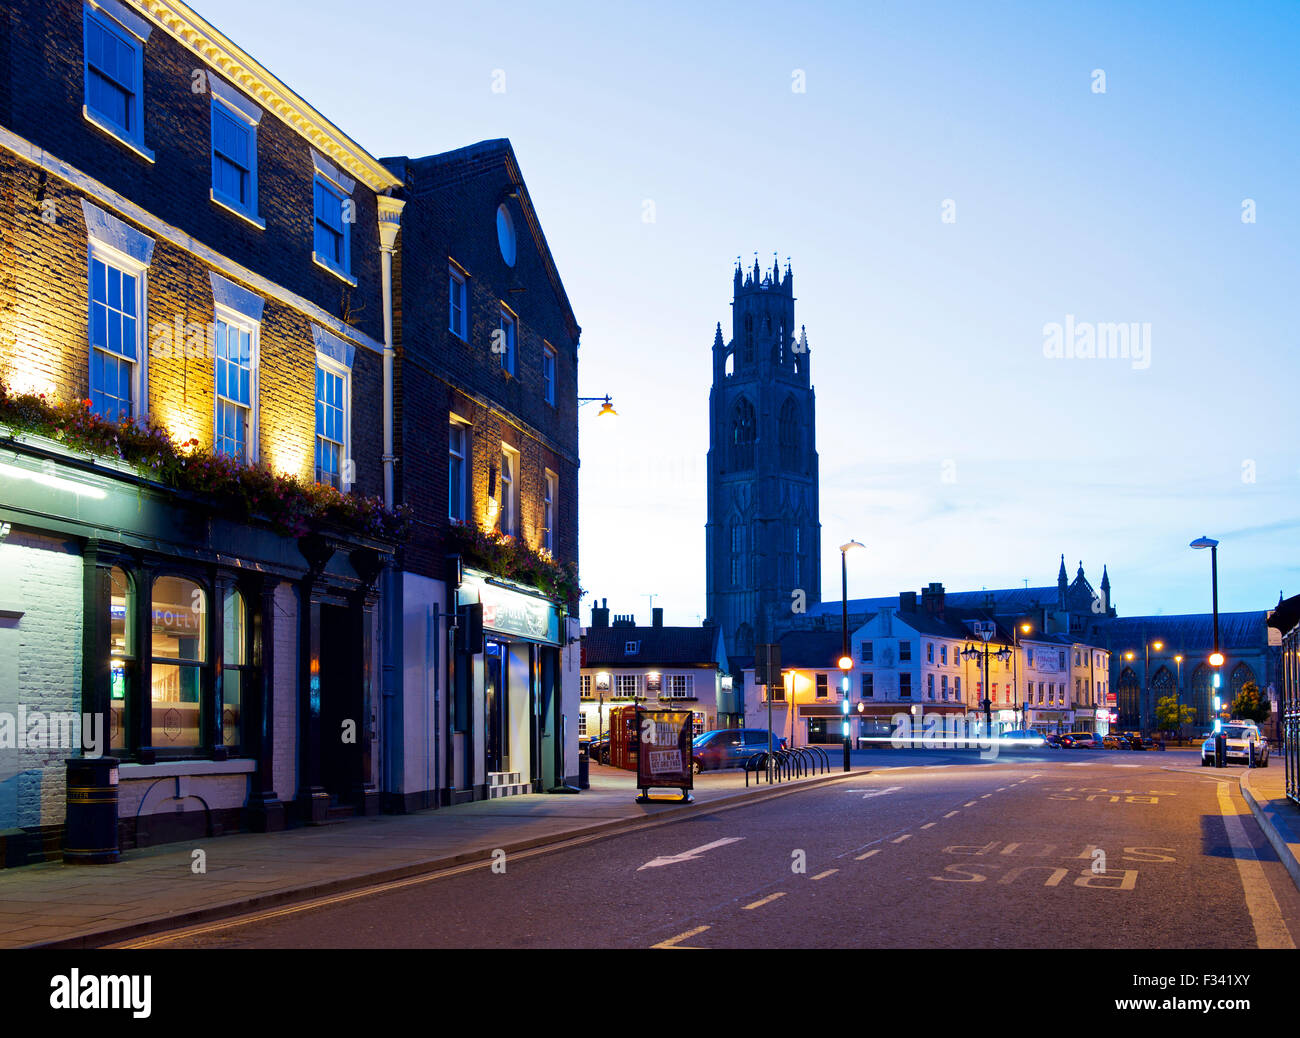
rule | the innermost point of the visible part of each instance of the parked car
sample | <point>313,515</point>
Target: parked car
<point>729,747</point>
<point>598,749</point>
<point>1138,741</point>
<point>1054,741</point>
<point>1115,741</point>
<point>1244,744</point>
<point>1084,741</point>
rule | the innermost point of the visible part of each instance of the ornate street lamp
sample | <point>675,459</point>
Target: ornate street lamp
<point>985,630</point>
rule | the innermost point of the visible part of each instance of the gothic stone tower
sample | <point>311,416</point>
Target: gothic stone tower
<point>763,536</point>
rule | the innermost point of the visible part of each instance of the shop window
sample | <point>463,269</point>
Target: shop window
<point>179,663</point>
<point>122,657</point>
<point>234,668</point>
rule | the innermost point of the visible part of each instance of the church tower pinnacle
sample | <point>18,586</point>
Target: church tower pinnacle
<point>763,534</point>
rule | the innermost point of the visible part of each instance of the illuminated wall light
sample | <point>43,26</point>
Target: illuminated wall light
<point>49,480</point>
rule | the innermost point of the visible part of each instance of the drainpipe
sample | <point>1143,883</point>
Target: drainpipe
<point>390,222</point>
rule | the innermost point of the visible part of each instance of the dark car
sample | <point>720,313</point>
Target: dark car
<point>729,747</point>
<point>1136,741</point>
<point>1054,741</point>
<point>1084,741</point>
<point>598,749</point>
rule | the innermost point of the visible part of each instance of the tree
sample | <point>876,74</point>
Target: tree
<point>1171,715</point>
<point>1250,705</point>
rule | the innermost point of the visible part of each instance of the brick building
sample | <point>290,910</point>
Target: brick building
<point>486,397</point>
<point>188,240</point>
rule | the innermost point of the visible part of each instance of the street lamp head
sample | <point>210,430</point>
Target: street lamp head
<point>1204,542</point>
<point>1025,628</point>
<point>1157,646</point>
<point>1178,659</point>
<point>1216,659</point>
<point>852,544</point>
<point>606,408</point>
<point>846,663</point>
<point>1129,656</point>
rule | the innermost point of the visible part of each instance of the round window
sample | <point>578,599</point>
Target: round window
<point>506,235</point>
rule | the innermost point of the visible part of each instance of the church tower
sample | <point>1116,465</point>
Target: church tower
<point>763,536</point>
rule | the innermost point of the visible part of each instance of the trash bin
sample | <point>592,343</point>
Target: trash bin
<point>90,829</point>
<point>584,769</point>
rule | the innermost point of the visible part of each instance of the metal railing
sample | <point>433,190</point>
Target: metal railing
<point>779,765</point>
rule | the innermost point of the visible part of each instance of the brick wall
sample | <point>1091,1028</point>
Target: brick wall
<point>451,217</point>
<point>46,94</point>
<point>40,577</point>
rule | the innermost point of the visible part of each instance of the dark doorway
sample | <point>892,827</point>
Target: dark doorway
<point>341,707</point>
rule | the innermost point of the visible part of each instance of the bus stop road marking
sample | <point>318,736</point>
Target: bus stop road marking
<point>1265,915</point>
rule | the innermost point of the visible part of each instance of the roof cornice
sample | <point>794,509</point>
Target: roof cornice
<point>184,24</point>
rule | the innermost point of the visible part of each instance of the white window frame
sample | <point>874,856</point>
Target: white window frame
<point>341,186</point>
<point>550,365</point>
<point>622,679</point>
<point>230,103</point>
<point>133,31</point>
<point>508,320</point>
<point>110,241</point>
<point>453,421</point>
<point>584,686</point>
<point>457,278</point>
<point>508,491</point>
<point>234,319</point>
<point>550,495</point>
<point>685,689</point>
<point>331,365</point>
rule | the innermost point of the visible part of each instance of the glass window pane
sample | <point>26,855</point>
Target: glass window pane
<point>234,643</point>
<point>232,682</point>
<point>179,620</point>
<point>175,696</point>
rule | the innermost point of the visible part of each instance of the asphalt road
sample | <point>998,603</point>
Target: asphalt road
<point>1076,850</point>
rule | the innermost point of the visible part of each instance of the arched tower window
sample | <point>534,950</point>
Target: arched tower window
<point>742,435</point>
<point>1127,694</point>
<point>749,338</point>
<point>1240,675</point>
<point>1203,695</point>
<point>788,432</point>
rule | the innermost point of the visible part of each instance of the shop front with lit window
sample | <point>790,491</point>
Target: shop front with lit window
<point>225,660</point>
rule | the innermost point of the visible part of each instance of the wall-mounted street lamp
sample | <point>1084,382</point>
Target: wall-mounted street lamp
<point>606,404</point>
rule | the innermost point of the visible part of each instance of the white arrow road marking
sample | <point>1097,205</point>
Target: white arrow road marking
<point>673,859</point>
<point>874,792</point>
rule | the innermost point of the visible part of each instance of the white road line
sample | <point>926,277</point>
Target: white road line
<point>905,836</point>
<point>929,825</point>
<point>1126,765</point>
<point>1270,930</point>
<point>674,859</point>
<point>986,796</point>
<point>969,803</point>
<point>765,901</point>
<point>672,941</point>
<point>950,814</point>
<point>823,875</point>
<point>1077,764</point>
<point>874,792</point>
<point>862,857</point>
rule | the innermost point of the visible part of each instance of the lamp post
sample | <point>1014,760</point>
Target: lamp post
<point>1130,655</point>
<point>1216,657</point>
<point>985,631</point>
<point>846,661</point>
<point>1022,710</point>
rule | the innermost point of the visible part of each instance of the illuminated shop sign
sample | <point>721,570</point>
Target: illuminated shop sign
<point>511,612</point>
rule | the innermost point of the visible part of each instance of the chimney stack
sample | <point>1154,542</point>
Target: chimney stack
<point>600,614</point>
<point>657,616</point>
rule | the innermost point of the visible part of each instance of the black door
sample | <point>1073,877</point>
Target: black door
<point>340,704</point>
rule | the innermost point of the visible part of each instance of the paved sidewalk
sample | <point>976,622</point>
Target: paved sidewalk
<point>153,889</point>
<point>1265,792</point>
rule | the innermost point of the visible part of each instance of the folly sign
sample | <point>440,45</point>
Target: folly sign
<point>506,611</point>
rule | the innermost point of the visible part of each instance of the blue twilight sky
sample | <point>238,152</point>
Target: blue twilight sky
<point>949,443</point>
